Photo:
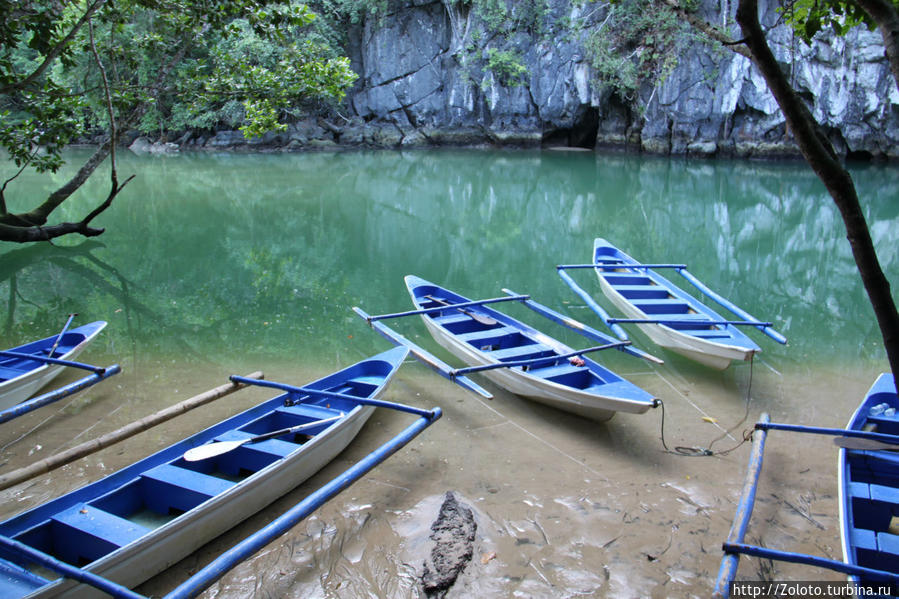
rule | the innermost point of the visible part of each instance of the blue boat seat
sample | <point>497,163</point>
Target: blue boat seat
<point>307,411</point>
<point>88,533</point>
<point>452,317</point>
<point>633,292</point>
<point>888,543</point>
<point>521,352</point>
<point>662,306</point>
<point>862,538</point>
<point>475,336</point>
<point>883,493</point>
<point>10,373</point>
<point>180,489</point>
<point>555,371</point>
<point>626,278</point>
<point>276,447</point>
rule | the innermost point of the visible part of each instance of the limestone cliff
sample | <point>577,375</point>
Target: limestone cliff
<point>426,78</point>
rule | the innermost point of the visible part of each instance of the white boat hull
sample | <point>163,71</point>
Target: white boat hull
<point>16,390</point>
<point>710,353</point>
<point>587,404</point>
<point>170,543</point>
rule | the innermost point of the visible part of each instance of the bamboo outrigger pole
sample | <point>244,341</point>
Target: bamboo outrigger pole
<point>88,447</point>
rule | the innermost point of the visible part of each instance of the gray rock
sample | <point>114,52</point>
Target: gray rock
<point>453,533</point>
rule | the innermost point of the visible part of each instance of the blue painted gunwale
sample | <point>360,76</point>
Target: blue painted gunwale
<point>636,285</point>
<point>591,390</point>
<point>869,486</point>
<point>20,378</point>
<point>120,494</point>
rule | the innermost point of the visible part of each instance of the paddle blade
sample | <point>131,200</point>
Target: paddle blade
<point>211,450</point>
<point>864,444</point>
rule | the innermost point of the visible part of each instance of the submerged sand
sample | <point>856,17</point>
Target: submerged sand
<point>564,507</point>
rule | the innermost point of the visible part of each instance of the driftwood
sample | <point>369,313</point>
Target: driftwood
<point>88,447</point>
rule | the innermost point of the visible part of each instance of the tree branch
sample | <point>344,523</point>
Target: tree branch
<point>711,31</point>
<point>54,53</point>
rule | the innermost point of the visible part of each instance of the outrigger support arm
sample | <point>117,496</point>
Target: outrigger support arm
<point>321,393</point>
<point>422,355</point>
<point>586,331</point>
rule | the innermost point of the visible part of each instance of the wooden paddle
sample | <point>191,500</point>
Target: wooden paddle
<point>859,443</point>
<point>481,318</point>
<point>211,450</point>
<point>61,333</point>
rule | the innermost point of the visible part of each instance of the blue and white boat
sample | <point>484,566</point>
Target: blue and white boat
<point>135,523</point>
<point>522,359</point>
<point>669,316</point>
<point>869,484</point>
<point>21,376</point>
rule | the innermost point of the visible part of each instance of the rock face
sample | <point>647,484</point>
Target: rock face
<point>431,72</point>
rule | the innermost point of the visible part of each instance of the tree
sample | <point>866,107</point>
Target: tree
<point>808,16</point>
<point>67,68</point>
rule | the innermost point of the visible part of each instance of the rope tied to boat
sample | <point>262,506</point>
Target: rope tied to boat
<point>695,451</point>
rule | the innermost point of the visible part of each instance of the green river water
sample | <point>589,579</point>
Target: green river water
<point>220,264</point>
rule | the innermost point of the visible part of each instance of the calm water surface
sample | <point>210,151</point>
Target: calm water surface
<point>219,264</point>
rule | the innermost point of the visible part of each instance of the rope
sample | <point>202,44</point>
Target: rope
<point>695,451</point>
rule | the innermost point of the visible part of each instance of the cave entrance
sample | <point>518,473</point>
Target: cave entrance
<point>582,133</point>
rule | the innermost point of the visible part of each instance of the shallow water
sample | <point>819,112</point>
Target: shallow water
<point>221,264</point>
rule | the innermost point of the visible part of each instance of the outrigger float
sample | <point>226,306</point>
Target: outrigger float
<point>672,318</point>
<point>516,356</point>
<point>119,531</point>
<point>26,369</point>
<point>868,481</point>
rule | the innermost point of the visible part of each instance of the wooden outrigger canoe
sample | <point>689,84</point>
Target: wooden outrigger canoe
<point>25,369</point>
<point>672,318</point>
<point>868,482</point>
<point>135,523</point>
<point>518,357</point>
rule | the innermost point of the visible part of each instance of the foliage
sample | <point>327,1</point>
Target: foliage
<point>67,68</point>
<point>808,17</point>
<point>634,46</point>
<point>506,66</point>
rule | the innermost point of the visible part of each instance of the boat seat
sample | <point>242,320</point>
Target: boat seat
<point>308,410</point>
<point>633,292</point>
<point>883,493</point>
<point>276,447</point>
<point>182,489</point>
<point>10,373</point>
<point>662,306</point>
<point>555,371</point>
<point>888,543</point>
<point>475,336</point>
<point>862,538</point>
<point>625,278</point>
<point>91,533</point>
<point>520,352</point>
<point>453,317</point>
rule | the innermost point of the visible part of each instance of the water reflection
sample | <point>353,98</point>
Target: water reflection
<point>264,254</point>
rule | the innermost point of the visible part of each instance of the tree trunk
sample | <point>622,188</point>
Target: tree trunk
<point>821,157</point>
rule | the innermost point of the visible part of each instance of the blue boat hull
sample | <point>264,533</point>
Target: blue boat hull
<point>136,522</point>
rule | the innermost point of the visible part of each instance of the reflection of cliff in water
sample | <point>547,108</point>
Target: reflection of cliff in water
<point>264,254</point>
<point>766,235</point>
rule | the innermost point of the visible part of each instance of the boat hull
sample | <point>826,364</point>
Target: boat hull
<point>177,538</point>
<point>16,390</point>
<point>869,486</point>
<point>732,345</point>
<point>598,402</point>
